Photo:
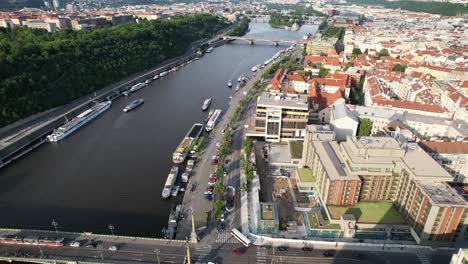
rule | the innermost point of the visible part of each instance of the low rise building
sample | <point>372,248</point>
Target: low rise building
<point>268,219</point>
<point>343,121</point>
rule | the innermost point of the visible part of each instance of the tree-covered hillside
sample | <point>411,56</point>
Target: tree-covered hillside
<point>443,8</point>
<point>41,70</point>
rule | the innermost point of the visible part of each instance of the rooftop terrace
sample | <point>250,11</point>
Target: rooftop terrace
<point>293,101</point>
<point>441,194</point>
<point>268,211</point>
<point>306,175</point>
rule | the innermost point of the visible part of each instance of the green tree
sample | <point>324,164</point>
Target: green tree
<point>357,51</point>
<point>383,52</point>
<point>364,127</point>
<point>41,70</point>
<point>241,29</point>
<point>399,68</point>
<point>217,209</point>
<point>348,65</point>
<point>304,52</point>
<point>323,72</point>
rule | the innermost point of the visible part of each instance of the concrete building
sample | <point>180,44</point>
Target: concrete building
<point>316,47</point>
<point>343,122</point>
<point>453,156</point>
<point>280,117</point>
<point>382,169</point>
<point>6,23</point>
<point>71,8</point>
<point>49,26</point>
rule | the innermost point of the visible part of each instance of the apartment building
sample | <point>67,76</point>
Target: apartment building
<point>453,156</point>
<point>316,47</point>
<point>280,117</point>
<point>383,169</point>
<point>49,26</point>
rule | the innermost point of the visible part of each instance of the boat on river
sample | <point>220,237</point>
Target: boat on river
<point>213,120</point>
<point>79,121</point>
<point>171,179</point>
<point>180,154</point>
<point>136,103</point>
<point>206,104</point>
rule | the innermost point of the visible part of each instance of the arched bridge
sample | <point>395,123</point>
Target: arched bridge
<point>252,40</point>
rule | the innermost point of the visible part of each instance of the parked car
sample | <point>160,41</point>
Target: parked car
<point>214,160</point>
<point>307,249</point>
<point>208,196</point>
<point>239,251</point>
<point>282,248</point>
<point>212,179</point>
<point>329,253</point>
<point>210,189</point>
<point>210,183</point>
<point>75,244</point>
<point>222,217</point>
<point>113,248</point>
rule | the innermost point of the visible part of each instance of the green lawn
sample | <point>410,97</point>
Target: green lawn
<point>295,148</point>
<point>306,175</point>
<point>369,212</point>
<point>314,224</point>
<point>268,214</point>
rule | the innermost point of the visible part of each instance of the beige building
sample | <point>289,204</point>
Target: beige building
<point>315,47</point>
<point>453,156</point>
<point>382,169</point>
<point>49,26</point>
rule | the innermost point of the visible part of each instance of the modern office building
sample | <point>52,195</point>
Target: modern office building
<point>280,117</point>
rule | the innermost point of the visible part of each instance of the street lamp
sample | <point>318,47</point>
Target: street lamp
<point>111,228</point>
<point>55,224</point>
<point>157,251</point>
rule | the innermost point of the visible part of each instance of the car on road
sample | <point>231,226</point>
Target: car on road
<point>90,245</point>
<point>214,160</point>
<point>224,174</point>
<point>329,253</point>
<point>208,196</point>
<point>282,248</point>
<point>222,217</point>
<point>239,251</point>
<point>307,249</point>
<point>75,244</point>
<point>113,248</point>
<point>265,247</point>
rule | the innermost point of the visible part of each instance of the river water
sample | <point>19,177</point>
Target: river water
<point>112,171</point>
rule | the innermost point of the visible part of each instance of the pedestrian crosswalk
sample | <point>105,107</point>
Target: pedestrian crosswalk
<point>202,254</point>
<point>424,257</point>
<point>225,238</point>
<point>261,255</point>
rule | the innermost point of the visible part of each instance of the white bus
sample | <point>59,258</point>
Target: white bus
<point>243,239</point>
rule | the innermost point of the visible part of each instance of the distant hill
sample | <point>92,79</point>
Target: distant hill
<point>18,4</point>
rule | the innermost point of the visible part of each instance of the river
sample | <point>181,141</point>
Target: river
<point>112,171</point>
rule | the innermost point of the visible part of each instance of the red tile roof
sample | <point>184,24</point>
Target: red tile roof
<point>444,147</point>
